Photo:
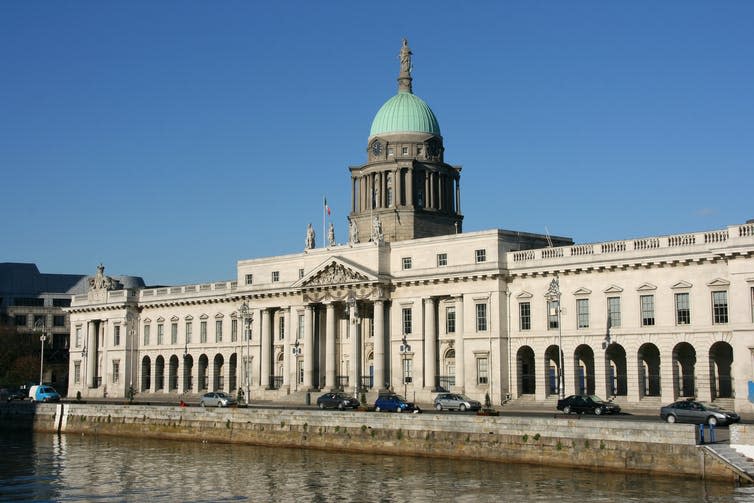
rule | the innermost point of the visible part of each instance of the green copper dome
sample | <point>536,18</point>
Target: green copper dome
<point>405,112</point>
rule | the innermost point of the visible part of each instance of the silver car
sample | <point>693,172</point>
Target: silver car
<point>453,401</point>
<point>216,399</point>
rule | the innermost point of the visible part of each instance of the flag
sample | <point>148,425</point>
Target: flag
<point>327,208</point>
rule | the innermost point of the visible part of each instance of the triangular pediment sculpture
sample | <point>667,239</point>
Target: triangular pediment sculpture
<point>334,273</point>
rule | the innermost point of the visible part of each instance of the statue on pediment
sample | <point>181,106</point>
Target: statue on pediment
<point>353,232</point>
<point>331,235</point>
<point>377,236</point>
<point>309,243</point>
<point>100,281</point>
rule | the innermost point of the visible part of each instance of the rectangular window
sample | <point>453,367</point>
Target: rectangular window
<point>553,306</point>
<point>174,333</point>
<point>189,328</point>
<point>77,372</point>
<point>682,309</point>
<point>582,307</point>
<point>116,335</point>
<point>61,302</point>
<point>146,334</point>
<point>249,279</point>
<point>404,150</point>
<point>406,263</point>
<point>408,370</point>
<point>450,320</point>
<point>203,332</point>
<point>406,320</point>
<point>20,320</point>
<point>300,333</point>
<point>233,330</point>
<point>40,319</point>
<point>480,256</point>
<point>442,259</point>
<point>275,276</point>
<point>218,330</point>
<point>481,317</point>
<point>116,371</point>
<point>419,150</point>
<point>281,328</point>
<point>78,337</point>
<point>719,307</point>
<point>58,321</point>
<point>613,312</point>
<point>524,316</point>
<point>160,334</point>
<point>390,152</point>
<point>481,371</point>
<point>647,303</point>
<point>29,302</point>
<point>300,273</point>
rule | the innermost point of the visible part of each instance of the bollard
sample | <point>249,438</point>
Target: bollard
<point>712,435</point>
<point>701,433</point>
<point>308,399</point>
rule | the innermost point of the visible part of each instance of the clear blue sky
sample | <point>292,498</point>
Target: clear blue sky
<point>170,139</point>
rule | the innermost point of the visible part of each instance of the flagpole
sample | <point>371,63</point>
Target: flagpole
<point>324,217</point>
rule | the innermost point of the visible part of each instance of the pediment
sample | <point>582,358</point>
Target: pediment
<point>335,271</point>
<point>682,284</point>
<point>524,295</point>
<point>219,316</point>
<point>188,317</point>
<point>613,289</point>
<point>174,318</point>
<point>645,287</point>
<point>718,282</point>
<point>147,320</point>
<point>160,319</point>
<point>582,291</point>
<point>203,317</point>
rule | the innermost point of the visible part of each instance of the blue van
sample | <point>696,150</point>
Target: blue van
<point>43,393</point>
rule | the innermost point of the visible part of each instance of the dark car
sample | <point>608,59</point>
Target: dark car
<point>16,394</point>
<point>452,401</point>
<point>591,404</point>
<point>692,411</point>
<point>339,401</point>
<point>394,403</point>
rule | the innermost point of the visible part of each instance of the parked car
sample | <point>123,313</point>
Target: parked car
<point>16,394</point>
<point>592,404</point>
<point>43,393</point>
<point>692,411</point>
<point>337,401</point>
<point>453,401</point>
<point>394,403</point>
<point>216,399</point>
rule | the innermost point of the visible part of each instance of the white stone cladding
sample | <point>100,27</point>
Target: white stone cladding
<point>428,278</point>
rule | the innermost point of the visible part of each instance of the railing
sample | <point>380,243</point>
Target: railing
<point>445,382</point>
<point>367,382</point>
<point>641,244</point>
<point>276,382</point>
<point>341,382</point>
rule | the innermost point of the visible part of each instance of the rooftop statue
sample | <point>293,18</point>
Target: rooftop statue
<point>309,244</point>
<point>353,232</point>
<point>405,57</point>
<point>331,235</point>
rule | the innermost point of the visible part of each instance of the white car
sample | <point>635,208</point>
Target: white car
<point>216,399</point>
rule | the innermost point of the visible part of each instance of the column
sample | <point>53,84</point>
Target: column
<point>308,348</point>
<point>91,347</point>
<point>410,187</point>
<point>379,345</point>
<point>460,353</point>
<point>396,188</point>
<point>355,336</point>
<point>702,377</point>
<point>430,344</point>
<point>601,384</point>
<point>458,196</point>
<point>667,386</point>
<point>265,349</point>
<point>288,357</point>
<point>330,346</point>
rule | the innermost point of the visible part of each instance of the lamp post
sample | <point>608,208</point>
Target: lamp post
<point>39,326</point>
<point>405,349</point>
<point>553,295</point>
<point>246,320</point>
<point>296,350</point>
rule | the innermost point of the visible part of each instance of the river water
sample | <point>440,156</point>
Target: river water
<point>48,467</point>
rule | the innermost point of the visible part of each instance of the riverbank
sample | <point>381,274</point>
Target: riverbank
<point>564,441</point>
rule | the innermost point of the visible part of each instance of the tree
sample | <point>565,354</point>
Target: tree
<point>19,357</point>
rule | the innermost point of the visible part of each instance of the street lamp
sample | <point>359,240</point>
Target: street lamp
<point>39,326</point>
<point>405,349</point>
<point>246,320</point>
<point>553,295</point>
<point>295,350</point>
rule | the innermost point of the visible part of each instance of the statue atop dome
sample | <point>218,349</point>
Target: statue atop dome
<point>404,77</point>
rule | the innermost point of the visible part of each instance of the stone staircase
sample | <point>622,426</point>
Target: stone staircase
<point>739,463</point>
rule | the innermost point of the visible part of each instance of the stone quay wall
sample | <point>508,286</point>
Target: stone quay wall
<point>564,441</point>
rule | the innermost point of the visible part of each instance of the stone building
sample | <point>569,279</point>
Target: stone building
<point>414,304</point>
